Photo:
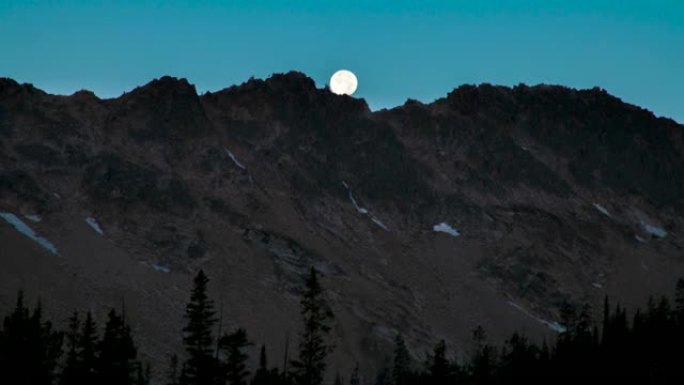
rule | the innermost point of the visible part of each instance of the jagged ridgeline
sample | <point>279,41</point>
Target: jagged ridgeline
<point>492,206</point>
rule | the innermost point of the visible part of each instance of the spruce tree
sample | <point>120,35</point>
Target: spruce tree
<point>117,364</point>
<point>200,367</point>
<point>70,375</point>
<point>234,369</point>
<point>484,361</point>
<point>264,376</point>
<point>313,347</point>
<point>401,362</point>
<point>29,347</point>
<point>88,343</point>
<point>439,368</point>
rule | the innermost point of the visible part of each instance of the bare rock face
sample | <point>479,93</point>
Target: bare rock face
<point>549,195</point>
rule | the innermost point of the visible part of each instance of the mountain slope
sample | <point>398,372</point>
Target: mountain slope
<point>555,195</point>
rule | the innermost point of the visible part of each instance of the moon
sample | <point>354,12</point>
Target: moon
<point>343,82</point>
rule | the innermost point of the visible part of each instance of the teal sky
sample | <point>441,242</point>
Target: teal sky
<point>399,49</point>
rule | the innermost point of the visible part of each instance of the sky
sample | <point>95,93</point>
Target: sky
<point>399,49</point>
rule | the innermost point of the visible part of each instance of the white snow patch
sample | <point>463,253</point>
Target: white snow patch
<point>640,239</point>
<point>27,231</point>
<point>602,209</point>
<point>597,285</point>
<point>445,228</point>
<point>234,159</point>
<point>160,268</point>
<point>362,210</point>
<point>92,222</point>
<point>656,231</point>
<point>33,217</point>
<point>379,223</point>
<point>553,325</point>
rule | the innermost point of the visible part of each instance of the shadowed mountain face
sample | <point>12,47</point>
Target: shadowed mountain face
<point>543,195</point>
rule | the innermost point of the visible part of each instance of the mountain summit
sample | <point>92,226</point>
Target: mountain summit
<point>493,206</point>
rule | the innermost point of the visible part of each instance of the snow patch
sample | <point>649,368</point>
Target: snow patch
<point>445,228</point>
<point>234,159</point>
<point>597,285</point>
<point>639,239</point>
<point>553,325</point>
<point>160,268</point>
<point>23,228</point>
<point>362,210</point>
<point>656,231</point>
<point>602,209</point>
<point>33,217</point>
<point>92,222</point>
<point>379,223</point>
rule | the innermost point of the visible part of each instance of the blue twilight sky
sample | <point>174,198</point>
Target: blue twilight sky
<point>399,49</point>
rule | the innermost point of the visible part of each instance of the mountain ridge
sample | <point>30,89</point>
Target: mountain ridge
<point>556,195</point>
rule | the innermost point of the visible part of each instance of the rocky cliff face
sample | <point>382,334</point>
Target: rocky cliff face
<point>490,206</point>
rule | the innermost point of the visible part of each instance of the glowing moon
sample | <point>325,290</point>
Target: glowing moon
<point>343,82</point>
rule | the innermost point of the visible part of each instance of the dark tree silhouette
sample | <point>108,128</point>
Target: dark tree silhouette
<point>200,367</point>
<point>401,363</point>
<point>117,363</point>
<point>29,347</point>
<point>70,372</point>
<point>234,369</point>
<point>313,348</point>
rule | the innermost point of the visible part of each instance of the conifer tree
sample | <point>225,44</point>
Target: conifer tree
<point>439,368</point>
<point>313,348</point>
<point>484,359</point>
<point>401,364</point>
<point>117,364</point>
<point>679,302</point>
<point>200,367</point>
<point>29,347</point>
<point>87,352</point>
<point>234,369</point>
<point>70,375</point>
<point>264,376</point>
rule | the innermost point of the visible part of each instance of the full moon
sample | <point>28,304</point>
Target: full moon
<point>343,82</point>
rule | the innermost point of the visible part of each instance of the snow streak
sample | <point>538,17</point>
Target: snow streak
<point>445,228</point>
<point>555,326</point>
<point>23,228</point>
<point>92,222</point>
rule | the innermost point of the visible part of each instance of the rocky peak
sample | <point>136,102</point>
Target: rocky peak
<point>165,109</point>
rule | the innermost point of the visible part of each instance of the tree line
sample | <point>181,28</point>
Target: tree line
<point>647,346</point>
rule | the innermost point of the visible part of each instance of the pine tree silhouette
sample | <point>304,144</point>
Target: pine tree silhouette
<point>200,367</point>
<point>264,376</point>
<point>439,369</point>
<point>29,347</point>
<point>70,371</point>
<point>313,348</point>
<point>88,343</point>
<point>117,364</point>
<point>401,364</point>
<point>234,369</point>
